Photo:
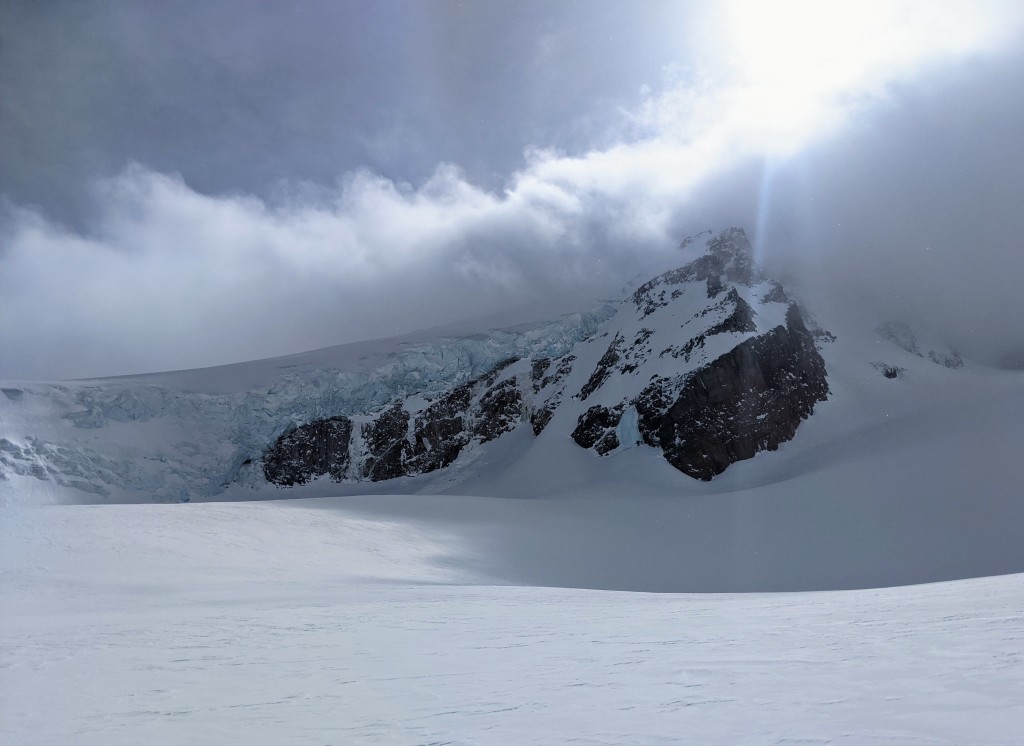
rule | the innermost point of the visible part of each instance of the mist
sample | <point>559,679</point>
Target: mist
<point>252,184</point>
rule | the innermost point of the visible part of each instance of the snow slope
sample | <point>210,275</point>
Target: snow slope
<point>386,620</point>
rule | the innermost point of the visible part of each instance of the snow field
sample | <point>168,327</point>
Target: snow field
<point>329,622</point>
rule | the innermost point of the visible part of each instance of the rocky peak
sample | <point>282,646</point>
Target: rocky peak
<point>709,363</point>
<point>732,248</point>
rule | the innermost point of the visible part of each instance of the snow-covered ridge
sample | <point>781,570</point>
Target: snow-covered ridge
<point>691,370</point>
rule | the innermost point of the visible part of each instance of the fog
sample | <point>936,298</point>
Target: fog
<point>228,181</point>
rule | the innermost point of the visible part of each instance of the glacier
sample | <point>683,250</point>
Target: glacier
<point>170,438</point>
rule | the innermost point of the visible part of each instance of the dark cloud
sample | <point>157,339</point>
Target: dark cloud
<point>195,184</point>
<point>238,95</point>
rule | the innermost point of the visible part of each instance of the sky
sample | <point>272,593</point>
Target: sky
<point>196,183</point>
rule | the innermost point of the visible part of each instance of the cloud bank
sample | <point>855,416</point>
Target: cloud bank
<point>890,187</point>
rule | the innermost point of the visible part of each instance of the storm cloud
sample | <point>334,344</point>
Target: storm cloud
<point>237,181</point>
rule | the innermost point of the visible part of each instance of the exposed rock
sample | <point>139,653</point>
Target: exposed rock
<point>603,369</point>
<point>596,429</point>
<point>309,451</point>
<point>395,443</point>
<point>729,256</point>
<point>537,370</point>
<point>776,295</point>
<point>741,319</point>
<point>637,353</point>
<point>540,419</point>
<point>439,433</point>
<point>822,337</point>
<point>563,369</point>
<point>889,371</point>
<point>501,409</point>
<point>554,384</point>
<point>751,399</point>
<point>386,444</point>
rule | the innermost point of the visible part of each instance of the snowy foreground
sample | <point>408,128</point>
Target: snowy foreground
<point>360,620</point>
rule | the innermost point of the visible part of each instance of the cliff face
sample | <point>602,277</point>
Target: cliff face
<point>710,363</point>
<point>748,400</point>
<point>310,451</point>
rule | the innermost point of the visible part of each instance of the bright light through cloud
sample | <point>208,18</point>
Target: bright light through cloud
<point>798,65</point>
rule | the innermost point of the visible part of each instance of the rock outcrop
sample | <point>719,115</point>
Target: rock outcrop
<point>751,399</point>
<point>309,451</point>
<point>397,442</point>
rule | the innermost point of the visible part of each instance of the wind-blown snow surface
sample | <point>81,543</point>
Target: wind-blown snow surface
<point>394,620</point>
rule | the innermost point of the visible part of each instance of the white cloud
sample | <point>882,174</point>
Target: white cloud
<point>169,277</point>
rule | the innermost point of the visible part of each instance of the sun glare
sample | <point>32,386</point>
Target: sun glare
<point>796,64</point>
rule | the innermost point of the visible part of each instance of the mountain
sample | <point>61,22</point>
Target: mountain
<point>709,364</point>
<point>706,366</point>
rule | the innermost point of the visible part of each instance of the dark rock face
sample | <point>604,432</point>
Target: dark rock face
<point>439,433</point>
<point>603,369</point>
<point>540,419</point>
<point>751,399</point>
<point>715,286</point>
<point>501,409</point>
<point>776,295</point>
<point>740,320</point>
<point>386,444</point>
<point>596,429</point>
<point>396,444</point>
<point>553,384</point>
<point>563,369</point>
<point>889,371</point>
<point>729,256</point>
<point>309,451</point>
<point>537,370</point>
<point>822,337</point>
